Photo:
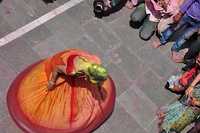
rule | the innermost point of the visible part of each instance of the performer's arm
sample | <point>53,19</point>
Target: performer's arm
<point>58,69</point>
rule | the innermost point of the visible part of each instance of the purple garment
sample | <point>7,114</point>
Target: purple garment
<point>192,8</point>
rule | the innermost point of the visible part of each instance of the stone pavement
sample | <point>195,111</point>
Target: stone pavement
<point>32,30</point>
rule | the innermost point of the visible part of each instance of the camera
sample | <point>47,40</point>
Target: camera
<point>98,5</point>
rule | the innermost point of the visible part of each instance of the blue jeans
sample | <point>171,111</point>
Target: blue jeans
<point>191,28</point>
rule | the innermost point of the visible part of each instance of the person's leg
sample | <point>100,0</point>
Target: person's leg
<point>147,29</point>
<point>163,39</point>
<point>138,14</point>
<point>193,51</point>
<point>187,33</point>
<point>170,31</point>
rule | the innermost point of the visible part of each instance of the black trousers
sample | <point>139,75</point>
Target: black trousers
<point>193,51</point>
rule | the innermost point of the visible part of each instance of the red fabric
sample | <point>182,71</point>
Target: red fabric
<point>74,106</point>
<point>184,79</point>
<point>70,64</point>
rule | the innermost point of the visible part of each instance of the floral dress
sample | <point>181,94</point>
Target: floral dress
<point>179,114</point>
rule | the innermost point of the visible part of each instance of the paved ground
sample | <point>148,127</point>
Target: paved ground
<point>31,31</point>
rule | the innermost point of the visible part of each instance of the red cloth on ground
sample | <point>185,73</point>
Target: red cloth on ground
<point>74,106</point>
<point>184,79</point>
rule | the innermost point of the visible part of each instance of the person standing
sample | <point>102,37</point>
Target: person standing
<point>189,15</point>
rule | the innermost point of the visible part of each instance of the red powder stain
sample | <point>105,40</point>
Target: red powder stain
<point>146,129</point>
<point>8,12</point>
<point>36,42</point>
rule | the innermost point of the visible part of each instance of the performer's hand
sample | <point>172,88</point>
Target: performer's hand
<point>177,17</point>
<point>189,91</point>
<point>49,87</point>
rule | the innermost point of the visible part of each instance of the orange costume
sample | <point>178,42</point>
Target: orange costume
<point>74,106</point>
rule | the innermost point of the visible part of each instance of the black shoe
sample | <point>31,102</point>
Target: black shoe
<point>167,86</point>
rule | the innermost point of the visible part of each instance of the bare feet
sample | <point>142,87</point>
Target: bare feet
<point>156,44</point>
<point>184,51</point>
<point>159,112</point>
<point>180,60</point>
<point>129,5</point>
<point>176,58</point>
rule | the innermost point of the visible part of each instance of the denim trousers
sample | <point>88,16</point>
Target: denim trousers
<point>191,28</point>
